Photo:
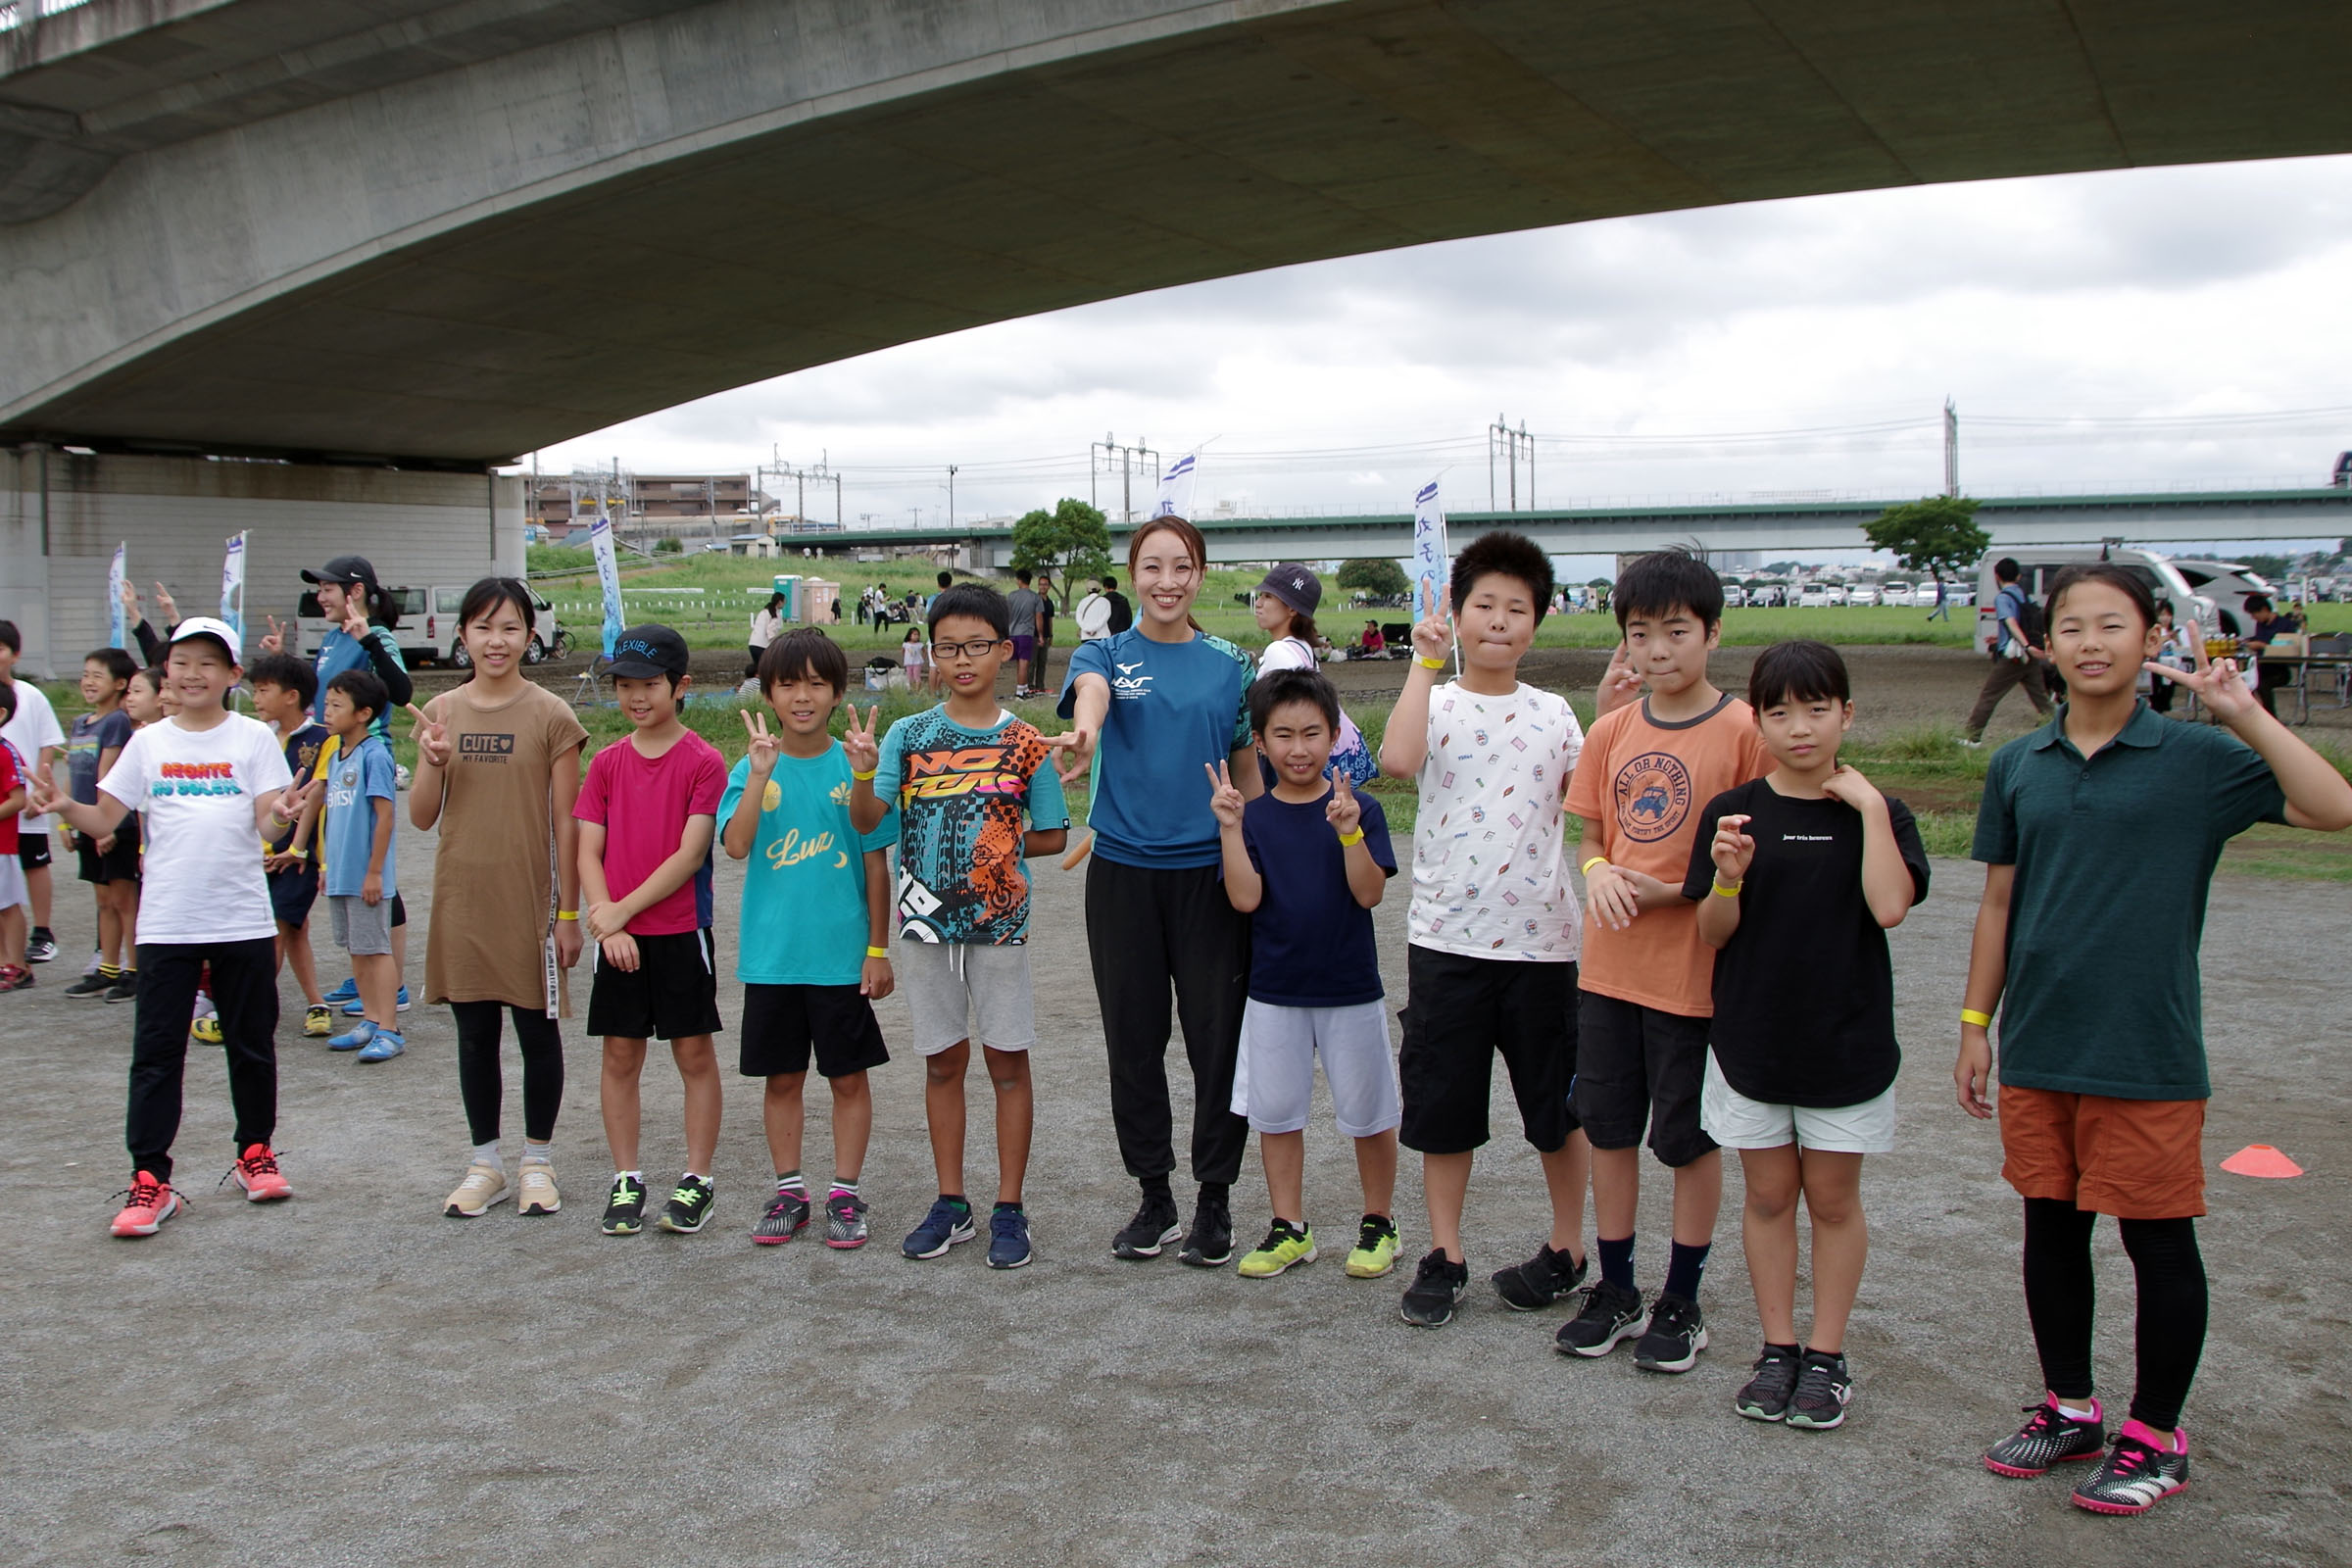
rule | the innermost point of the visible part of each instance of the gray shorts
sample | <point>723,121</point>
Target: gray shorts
<point>1274,1080</point>
<point>952,988</point>
<point>362,929</point>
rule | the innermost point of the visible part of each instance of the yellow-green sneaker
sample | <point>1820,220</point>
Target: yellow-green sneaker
<point>208,1029</point>
<point>1283,1245</point>
<point>318,1021</point>
<point>1375,1252</point>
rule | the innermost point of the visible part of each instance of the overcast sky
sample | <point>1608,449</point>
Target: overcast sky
<point>2139,316</point>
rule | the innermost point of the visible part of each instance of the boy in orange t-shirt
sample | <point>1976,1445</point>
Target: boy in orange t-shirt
<point>1647,982</point>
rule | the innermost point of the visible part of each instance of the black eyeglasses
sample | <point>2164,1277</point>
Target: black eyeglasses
<point>978,649</point>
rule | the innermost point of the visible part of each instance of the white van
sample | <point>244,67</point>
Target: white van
<point>2038,564</point>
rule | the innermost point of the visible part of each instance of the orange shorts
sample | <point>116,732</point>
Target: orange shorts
<point>2131,1158</point>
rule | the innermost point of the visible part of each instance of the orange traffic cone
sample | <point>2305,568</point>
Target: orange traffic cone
<point>2261,1160</point>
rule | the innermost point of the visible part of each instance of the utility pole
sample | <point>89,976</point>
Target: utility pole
<point>1510,444</point>
<point>1951,448</point>
<point>1127,456</point>
<point>951,497</point>
<point>801,477</point>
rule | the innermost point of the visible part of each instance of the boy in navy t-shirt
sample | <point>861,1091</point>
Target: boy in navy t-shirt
<point>1308,859</point>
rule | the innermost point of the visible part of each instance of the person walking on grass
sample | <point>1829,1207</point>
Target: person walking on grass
<point>2018,656</point>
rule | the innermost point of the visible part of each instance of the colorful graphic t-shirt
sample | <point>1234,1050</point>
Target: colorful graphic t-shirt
<point>92,735</point>
<point>642,802</point>
<point>804,884</point>
<point>963,795</point>
<point>303,745</point>
<point>1173,708</point>
<point>1488,874</point>
<point>358,779</point>
<point>1645,782</point>
<point>203,870</point>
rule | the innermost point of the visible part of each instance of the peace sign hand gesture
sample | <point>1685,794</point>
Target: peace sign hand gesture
<point>167,605</point>
<point>2220,684</point>
<point>1433,636</point>
<point>275,641</point>
<point>857,741</point>
<point>762,754</point>
<point>1345,813</point>
<point>1224,797</point>
<point>355,612</point>
<point>432,738</point>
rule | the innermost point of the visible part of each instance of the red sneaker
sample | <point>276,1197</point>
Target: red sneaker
<point>151,1204</point>
<point>256,1171</point>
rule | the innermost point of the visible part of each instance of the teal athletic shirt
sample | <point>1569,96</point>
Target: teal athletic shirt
<point>804,883</point>
<point>1173,708</point>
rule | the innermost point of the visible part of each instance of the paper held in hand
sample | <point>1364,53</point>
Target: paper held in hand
<point>1433,563</point>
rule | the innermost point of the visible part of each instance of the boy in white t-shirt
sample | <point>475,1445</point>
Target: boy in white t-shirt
<point>35,733</point>
<point>210,782</point>
<point>1494,926</point>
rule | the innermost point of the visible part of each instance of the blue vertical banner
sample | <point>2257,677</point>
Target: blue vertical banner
<point>232,585</point>
<point>117,631</point>
<point>1433,563</point>
<point>607,574</point>
<point>1177,482</point>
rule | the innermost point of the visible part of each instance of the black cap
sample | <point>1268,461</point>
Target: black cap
<point>644,652</point>
<point>1294,586</point>
<point>343,570</point>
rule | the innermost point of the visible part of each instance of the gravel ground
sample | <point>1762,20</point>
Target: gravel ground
<point>351,1378</point>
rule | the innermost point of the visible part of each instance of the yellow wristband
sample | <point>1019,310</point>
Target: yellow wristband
<point>1586,869</point>
<point>568,914</point>
<point>1731,892</point>
<point>1983,1020</point>
<point>877,952</point>
<point>862,777</point>
<point>1354,835</point>
<point>1428,663</point>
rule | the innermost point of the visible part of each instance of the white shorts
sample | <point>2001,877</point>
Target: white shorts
<point>1735,1121</point>
<point>949,987</point>
<point>1274,1080</point>
<point>12,883</point>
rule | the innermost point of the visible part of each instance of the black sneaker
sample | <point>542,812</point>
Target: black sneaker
<point>1824,1388</point>
<point>126,989</point>
<point>1766,1397</point>
<point>624,1210</point>
<point>1437,1286</point>
<point>1539,1281</point>
<point>689,1206</point>
<point>40,946</point>
<point>1677,1331</point>
<point>2134,1477</point>
<point>2046,1439</point>
<point>785,1217</point>
<point>1152,1228</point>
<point>1610,1314</point>
<point>1209,1243</point>
<point>92,984</point>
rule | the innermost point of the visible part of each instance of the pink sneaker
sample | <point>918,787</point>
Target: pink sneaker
<point>256,1171</point>
<point>151,1204</point>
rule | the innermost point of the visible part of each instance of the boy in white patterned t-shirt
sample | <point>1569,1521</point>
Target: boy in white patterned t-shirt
<point>1494,926</point>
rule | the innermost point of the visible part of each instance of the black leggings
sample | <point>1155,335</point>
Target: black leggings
<point>482,1084</point>
<point>2170,1331</point>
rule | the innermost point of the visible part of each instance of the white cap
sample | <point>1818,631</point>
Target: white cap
<point>219,630</point>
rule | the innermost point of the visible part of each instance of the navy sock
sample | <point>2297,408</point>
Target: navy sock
<point>1683,1266</point>
<point>1617,1263</point>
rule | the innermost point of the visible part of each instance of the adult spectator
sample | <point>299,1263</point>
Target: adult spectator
<point>1094,615</point>
<point>2016,659</point>
<point>1122,613</point>
<point>1021,607</point>
<point>2267,625</point>
<point>1045,640</point>
<point>767,624</point>
<point>1168,706</point>
<point>359,619</point>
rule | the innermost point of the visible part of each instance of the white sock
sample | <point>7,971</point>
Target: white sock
<point>536,1154</point>
<point>695,1176</point>
<point>848,1185</point>
<point>636,1176</point>
<point>2085,1412</point>
<point>487,1155</point>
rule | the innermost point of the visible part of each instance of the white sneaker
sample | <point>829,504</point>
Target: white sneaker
<point>483,1186</point>
<point>536,1183</point>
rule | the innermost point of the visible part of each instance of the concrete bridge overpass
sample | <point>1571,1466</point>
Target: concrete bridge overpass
<point>2161,519</point>
<point>450,232</point>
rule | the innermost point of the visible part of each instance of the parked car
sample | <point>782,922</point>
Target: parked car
<point>2038,564</point>
<point>2227,583</point>
<point>1814,596</point>
<point>1734,596</point>
<point>1895,593</point>
<point>1862,593</point>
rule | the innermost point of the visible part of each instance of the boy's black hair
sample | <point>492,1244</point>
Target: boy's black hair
<point>365,689</point>
<point>2256,602</point>
<point>1292,686</point>
<point>1504,553</point>
<point>288,675</point>
<point>2005,570</point>
<point>10,638</point>
<point>803,654</point>
<point>2120,578</point>
<point>8,698</point>
<point>1020,574</point>
<point>120,665</point>
<point>1796,672</point>
<point>153,675</point>
<point>976,600</point>
<point>1656,585</point>
<point>946,577</point>
<point>1110,584</point>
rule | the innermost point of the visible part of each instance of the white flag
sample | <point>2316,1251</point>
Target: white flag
<point>232,585</point>
<point>117,631</point>
<point>1433,563</point>
<point>607,574</point>
<point>1178,477</point>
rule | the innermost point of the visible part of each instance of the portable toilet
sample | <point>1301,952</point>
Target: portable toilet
<point>821,599</point>
<point>788,583</point>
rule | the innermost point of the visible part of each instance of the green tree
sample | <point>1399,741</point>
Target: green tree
<point>1377,575</point>
<point>1935,534</point>
<point>1071,541</point>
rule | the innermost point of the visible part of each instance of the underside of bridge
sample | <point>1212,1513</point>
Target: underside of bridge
<point>456,232</point>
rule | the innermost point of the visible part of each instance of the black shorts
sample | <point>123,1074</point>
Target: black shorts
<point>1637,1065</point>
<point>671,994</point>
<point>32,850</point>
<point>291,895</point>
<point>117,865</point>
<point>782,1024</point>
<point>1459,1012</point>
<point>400,912</point>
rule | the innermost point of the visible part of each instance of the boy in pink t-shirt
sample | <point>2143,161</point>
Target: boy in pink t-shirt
<point>648,810</point>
